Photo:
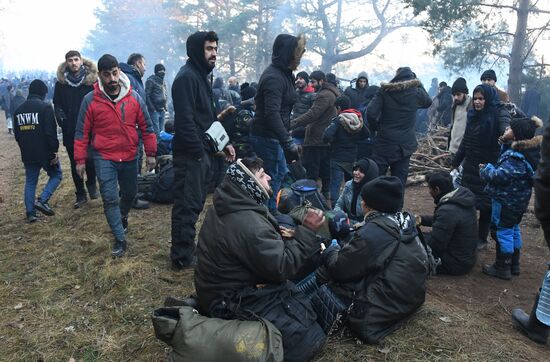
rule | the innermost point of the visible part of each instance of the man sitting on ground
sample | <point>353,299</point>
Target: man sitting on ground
<point>243,263</point>
<point>454,225</point>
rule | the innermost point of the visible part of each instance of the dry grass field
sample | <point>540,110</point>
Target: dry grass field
<point>62,297</point>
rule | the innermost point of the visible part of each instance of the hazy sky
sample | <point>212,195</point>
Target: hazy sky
<point>37,34</point>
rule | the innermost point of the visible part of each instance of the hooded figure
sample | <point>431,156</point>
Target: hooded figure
<point>392,113</point>
<point>360,96</point>
<point>480,146</point>
<point>156,93</point>
<point>193,115</point>
<point>275,97</point>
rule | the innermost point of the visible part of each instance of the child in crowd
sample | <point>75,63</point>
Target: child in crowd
<point>509,183</point>
<point>165,139</point>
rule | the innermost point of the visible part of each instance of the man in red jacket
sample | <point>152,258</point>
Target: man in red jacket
<point>106,131</point>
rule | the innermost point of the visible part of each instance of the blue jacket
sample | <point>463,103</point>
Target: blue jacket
<point>135,79</point>
<point>510,180</point>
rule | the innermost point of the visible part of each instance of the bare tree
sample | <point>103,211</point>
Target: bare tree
<point>337,40</point>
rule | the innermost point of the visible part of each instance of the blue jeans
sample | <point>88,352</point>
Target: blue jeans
<point>271,152</point>
<point>339,171</point>
<point>158,121</point>
<point>32,172</point>
<point>112,176</point>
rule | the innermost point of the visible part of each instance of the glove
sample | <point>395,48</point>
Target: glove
<point>330,252</point>
<point>291,150</point>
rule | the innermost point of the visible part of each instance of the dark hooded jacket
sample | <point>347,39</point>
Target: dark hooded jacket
<point>392,113</point>
<point>135,79</point>
<point>67,98</point>
<point>318,117</point>
<point>480,144</point>
<point>35,131</point>
<point>229,259</point>
<point>276,94</point>
<point>542,186</point>
<point>360,97</point>
<point>155,89</point>
<point>343,134</point>
<point>383,298</point>
<point>454,231</point>
<point>193,102</point>
<point>445,106</point>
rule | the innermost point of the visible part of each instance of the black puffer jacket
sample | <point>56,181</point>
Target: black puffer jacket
<point>392,113</point>
<point>477,149</point>
<point>382,299</point>
<point>67,98</point>
<point>444,109</point>
<point>246,253</point>
<point>35,131</point>
<point>454,231</point>
<point>542,186</point>
<point>192,99</point>
<point>276,94</point>
<point>155,89</point>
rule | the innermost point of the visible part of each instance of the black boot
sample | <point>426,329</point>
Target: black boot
<point>81,199</point>
<point>530,325</point>
<point>501,267</point>
<point>92,191</point>
<point>515,262</point>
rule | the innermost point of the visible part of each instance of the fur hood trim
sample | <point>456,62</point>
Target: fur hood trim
<point>530,143</point>
<point>400,86</point>
<point>298,51</point>
<point>527,144</point>
<point>91,76</point>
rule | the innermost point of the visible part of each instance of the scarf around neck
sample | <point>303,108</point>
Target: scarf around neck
<point>76,80</point>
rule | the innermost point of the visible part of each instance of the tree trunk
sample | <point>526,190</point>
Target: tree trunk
<point>517,54</point>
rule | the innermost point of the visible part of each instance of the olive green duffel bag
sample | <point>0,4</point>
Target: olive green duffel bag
<point>194,337</point>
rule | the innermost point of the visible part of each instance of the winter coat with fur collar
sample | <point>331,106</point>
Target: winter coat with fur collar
<point>67,98</point>
<point>392,113</point>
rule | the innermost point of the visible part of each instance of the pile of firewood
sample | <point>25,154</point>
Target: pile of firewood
<point>431,155</point>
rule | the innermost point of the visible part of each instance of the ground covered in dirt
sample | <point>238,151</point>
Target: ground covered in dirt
<point>63,297</point>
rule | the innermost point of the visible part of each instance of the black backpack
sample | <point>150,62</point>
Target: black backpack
<point>162,191</point>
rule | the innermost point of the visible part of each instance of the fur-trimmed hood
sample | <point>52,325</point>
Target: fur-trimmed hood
<point>91,72</point>
<point>532,142</point>
<point>288,51</point>
<point>400,86</point>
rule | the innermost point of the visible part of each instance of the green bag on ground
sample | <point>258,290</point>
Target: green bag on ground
<point>194,337</point>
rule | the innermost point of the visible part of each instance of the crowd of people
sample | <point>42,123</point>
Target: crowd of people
<point>251,142</point>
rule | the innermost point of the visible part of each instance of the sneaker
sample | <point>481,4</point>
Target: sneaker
<point>119,247</point>
<point>80,200</point>
<point>140,204</point>
<point>32,218</point>
<point>43,207</point>
<point>125,223</point>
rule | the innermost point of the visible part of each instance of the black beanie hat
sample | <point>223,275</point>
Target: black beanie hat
<point>384,193</point>
<point>303,75</point>
<point>159,67</point>
<point>368,167</point>
<point>524,128</point>
<point>489,74</point>
<point>247,93</point>
<point>459,86</point>
<point>38,87</point>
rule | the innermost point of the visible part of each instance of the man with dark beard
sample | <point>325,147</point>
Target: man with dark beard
<point>75,78</point>
<point>462,103</point>
<point>246,267</point>
<point>194,114</point>
<point>107,132</point>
